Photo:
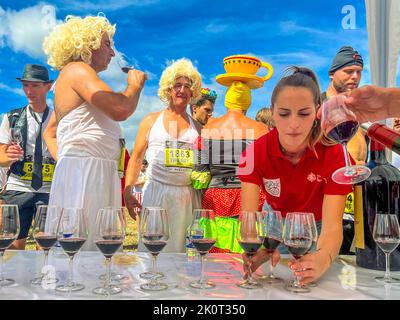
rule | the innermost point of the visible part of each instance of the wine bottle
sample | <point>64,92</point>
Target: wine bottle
<point>381,133</point>
<point>379,193</point>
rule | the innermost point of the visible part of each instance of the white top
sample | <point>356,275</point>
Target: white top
<point>86,174</point>
<point>14,183</point>
<point>157,169</point>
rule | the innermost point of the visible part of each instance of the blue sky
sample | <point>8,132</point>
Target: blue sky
<point>152,33</point>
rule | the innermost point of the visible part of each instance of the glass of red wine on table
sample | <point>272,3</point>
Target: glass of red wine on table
<point>340,125</point>
<point>45,234</point>
<point>154,232</point>
<point>386,234</point>
<point>250,237</point>
<point>72,233</point>
<point>298,238</point>
<point>9,231</point>
<point>109,237</point>
<point>114,276</point>
<point>271,222</point>
<point>203,235</point>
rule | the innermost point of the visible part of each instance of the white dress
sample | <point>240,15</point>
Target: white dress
<point>168,187</point>
<point>86,174</point>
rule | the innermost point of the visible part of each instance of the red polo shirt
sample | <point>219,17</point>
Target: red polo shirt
<point>288,187</point>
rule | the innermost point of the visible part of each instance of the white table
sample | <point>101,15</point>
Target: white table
<point>344,280</point>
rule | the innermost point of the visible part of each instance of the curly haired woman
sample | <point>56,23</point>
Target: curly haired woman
<point>83,133</point>
<point>163,135</point>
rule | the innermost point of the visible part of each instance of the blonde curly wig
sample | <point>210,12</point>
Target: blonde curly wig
<point>180,68</point>
<point>75,40</point>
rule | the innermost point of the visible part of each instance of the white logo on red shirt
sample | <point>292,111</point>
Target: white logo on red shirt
<point>313,177</point>
<point>273,186</point>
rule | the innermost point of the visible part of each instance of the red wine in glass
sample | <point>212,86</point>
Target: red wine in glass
<point>298,247</point>
<point>46,242</point>
<point>271,244</point>
<point>108,247</point>
<point>250,247</point>
<point>72,245</point>
<point>340,125</point>
<point>203,245</point>
<point>155,246</point>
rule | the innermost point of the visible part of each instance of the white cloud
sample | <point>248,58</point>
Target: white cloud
<point>25,30</point>
<point>216,27</point>
<point>6,87</point>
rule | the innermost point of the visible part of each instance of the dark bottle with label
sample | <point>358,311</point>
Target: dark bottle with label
<point>379,193</point>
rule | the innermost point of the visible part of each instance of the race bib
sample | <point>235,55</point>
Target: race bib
<point>47,171</point>
<point>349,208</point>
<point>178,154</point>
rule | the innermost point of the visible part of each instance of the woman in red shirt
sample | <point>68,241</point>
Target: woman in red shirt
<point>292,165</point>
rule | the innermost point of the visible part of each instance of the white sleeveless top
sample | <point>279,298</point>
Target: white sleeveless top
<point>157,170</point>
<point>88,132</point>
<point>86,174</point>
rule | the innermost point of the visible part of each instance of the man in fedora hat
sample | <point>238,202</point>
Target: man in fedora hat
<point>23,150</point>
<point>345,74</point>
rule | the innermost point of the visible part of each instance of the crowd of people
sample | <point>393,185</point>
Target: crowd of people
<point>70,156</point>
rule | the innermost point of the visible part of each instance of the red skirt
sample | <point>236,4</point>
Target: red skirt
<point>225,203</point>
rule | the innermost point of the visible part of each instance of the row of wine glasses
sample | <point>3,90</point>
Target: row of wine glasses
<point>298,234</point>
<point>69,227</point>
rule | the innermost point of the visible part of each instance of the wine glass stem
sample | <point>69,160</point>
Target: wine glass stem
<point>108,272</point>
<point>346,158</point>
<point>271,267</point>
<point>153,280</point>
<point>387,272</point>
<point>202,269</point>
<point>250,277</point>
<point>46,259</point>
<point>70,274</point>
<point>1,265</point>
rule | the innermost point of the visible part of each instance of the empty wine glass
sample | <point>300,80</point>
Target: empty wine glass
<point>72,232</point>
<point>9,231</point>
<point>271,222</point>
<point>386,234</point>
<point>297,237</point>
<point>340,124</point>
<point>45,234</point>
<point>314,232</point>
<point>16,138</point>
<point>125,63</point>
<point>203,235</point>
<point>250,238</point>
<point>109,237</point>
<point>154,232</point>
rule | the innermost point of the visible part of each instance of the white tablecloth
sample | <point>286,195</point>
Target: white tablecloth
<point>344,280</point>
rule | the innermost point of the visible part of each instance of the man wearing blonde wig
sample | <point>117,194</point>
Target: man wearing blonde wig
<point>168,138</point>
<point>88,141</point>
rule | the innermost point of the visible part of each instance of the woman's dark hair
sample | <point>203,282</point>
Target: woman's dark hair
<point>300,77</point>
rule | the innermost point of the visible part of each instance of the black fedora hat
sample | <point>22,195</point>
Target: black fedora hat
<point>36,73</point>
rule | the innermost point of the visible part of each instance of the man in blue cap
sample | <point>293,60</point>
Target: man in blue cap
<point>345,74</point>
<point>23,150</point>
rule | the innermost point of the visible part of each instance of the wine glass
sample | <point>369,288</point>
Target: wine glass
<point>203,235</point>
<point>109,237</point>
<point>271,222</point>
<point>314,232</point>
<point>250,238</point>
<point>154,232</point>
<point>72,233</point>
<point>125,63</point>
<point>45,234</point>
<point>16,138</point>
<point>297,237</point>
<point>116,277</point>
<point>340,125</point>
<point>9,231</point>
<point>386,234</point>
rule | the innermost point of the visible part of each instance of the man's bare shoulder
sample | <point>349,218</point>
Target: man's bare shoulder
<point>78,68</point>
<point>150,118</point>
